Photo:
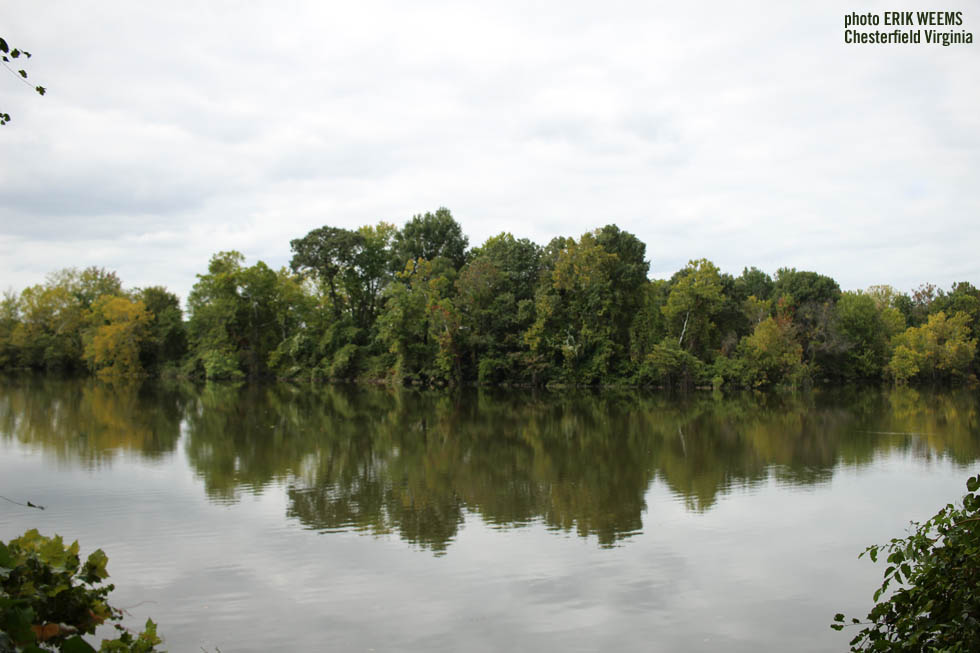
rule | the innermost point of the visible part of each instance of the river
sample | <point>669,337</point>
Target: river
<point>271,517</point>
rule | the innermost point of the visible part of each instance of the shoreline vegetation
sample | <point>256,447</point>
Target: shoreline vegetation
<point>416,306</point>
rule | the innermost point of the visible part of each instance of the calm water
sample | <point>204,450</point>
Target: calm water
<point>261,518</point>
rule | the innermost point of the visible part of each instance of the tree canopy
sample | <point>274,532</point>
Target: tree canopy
<point>415,305</point>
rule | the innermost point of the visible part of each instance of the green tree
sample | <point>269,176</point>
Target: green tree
<point>810,299</point>
<point>694,300</point>
<point>917,305</point>
<point>354,267</point>
<point>771,355</point>
<point>238,317</point>
<point>9,318</point>
<point>867,325</point>
<point>495,299</point>
<point>802,287</point>
<point>428,237</point>
<point>648,326</point>
<point>419,327</point>
<point>585,306</point>
<point>48,335</point>
<point>754,281</point>
<point>166,340</point>
<point>935,580</point>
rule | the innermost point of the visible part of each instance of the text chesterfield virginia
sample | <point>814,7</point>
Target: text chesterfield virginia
<point>933,27</point>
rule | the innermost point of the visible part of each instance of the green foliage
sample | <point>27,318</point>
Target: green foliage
<point>495,302</point>
<point>419,326</point>
<point>48,598</point>
<point>866,324</point>
<point>695,299</point>
<point>585,306</point>
<point>428,237</point>
<point>54,317</point>
<point>770,356</point>
<point>648,327</point>
<point>166,340</point>
<point>9,318</point>
<point>354,267</point>
<point>804,287</point>
<point>670,365</point>
<point>754,281</point>
<point>239,316</point>
<point>935,581</point>
<point>412,305</point>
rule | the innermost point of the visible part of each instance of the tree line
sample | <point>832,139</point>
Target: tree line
<point>417,305</point>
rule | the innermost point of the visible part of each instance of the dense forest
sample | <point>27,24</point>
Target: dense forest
<point>417,305</point>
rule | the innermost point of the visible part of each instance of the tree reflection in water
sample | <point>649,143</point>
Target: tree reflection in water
<point>414,464</point>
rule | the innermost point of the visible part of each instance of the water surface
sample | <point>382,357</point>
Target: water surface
<point>249,518</point>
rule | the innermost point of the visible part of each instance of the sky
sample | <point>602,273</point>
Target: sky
<point>746,133</point>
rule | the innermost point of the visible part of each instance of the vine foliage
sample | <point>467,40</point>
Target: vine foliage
<point>49,599</point>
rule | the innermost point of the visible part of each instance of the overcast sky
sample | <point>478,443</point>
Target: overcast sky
<point>747,133</point>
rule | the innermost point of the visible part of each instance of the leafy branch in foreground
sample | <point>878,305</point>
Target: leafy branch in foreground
<point>48,599</point>
<point>935,571</point>
<point>7,54</point>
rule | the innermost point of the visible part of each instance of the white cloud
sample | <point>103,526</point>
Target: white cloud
<point>749,134</point>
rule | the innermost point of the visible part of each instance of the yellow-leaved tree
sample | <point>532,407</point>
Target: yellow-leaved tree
<point>940,350</point>
<point>119,325</point>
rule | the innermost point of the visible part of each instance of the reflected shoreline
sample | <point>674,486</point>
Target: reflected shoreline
<point>415,462</point>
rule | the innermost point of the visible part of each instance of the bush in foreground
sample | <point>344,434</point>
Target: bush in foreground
<point>49,599</point>
<point>935,573</point>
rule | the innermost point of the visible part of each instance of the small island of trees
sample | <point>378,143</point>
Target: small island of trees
<point>416,305</point>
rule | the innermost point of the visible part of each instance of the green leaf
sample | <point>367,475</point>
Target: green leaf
<point>41,90</point>
<point>839,616</point>
<point>52,551</point>
<point>973,483</point>
<point>3,46</point>
<point>95,565</point>
<point>906,571</point>
<point>23,73</point>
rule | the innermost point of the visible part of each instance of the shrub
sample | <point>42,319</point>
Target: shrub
<point>935,605</point>
<point>48,599</point>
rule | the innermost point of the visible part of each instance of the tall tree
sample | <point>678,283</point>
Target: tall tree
<point>495,300</point>
<point>867,329</point>
<point>431,236</point>
<point>354,267</point>
<point>166,341</point>
<point>694,300</point>
<point>585,305</point>
<point>237,317</point>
